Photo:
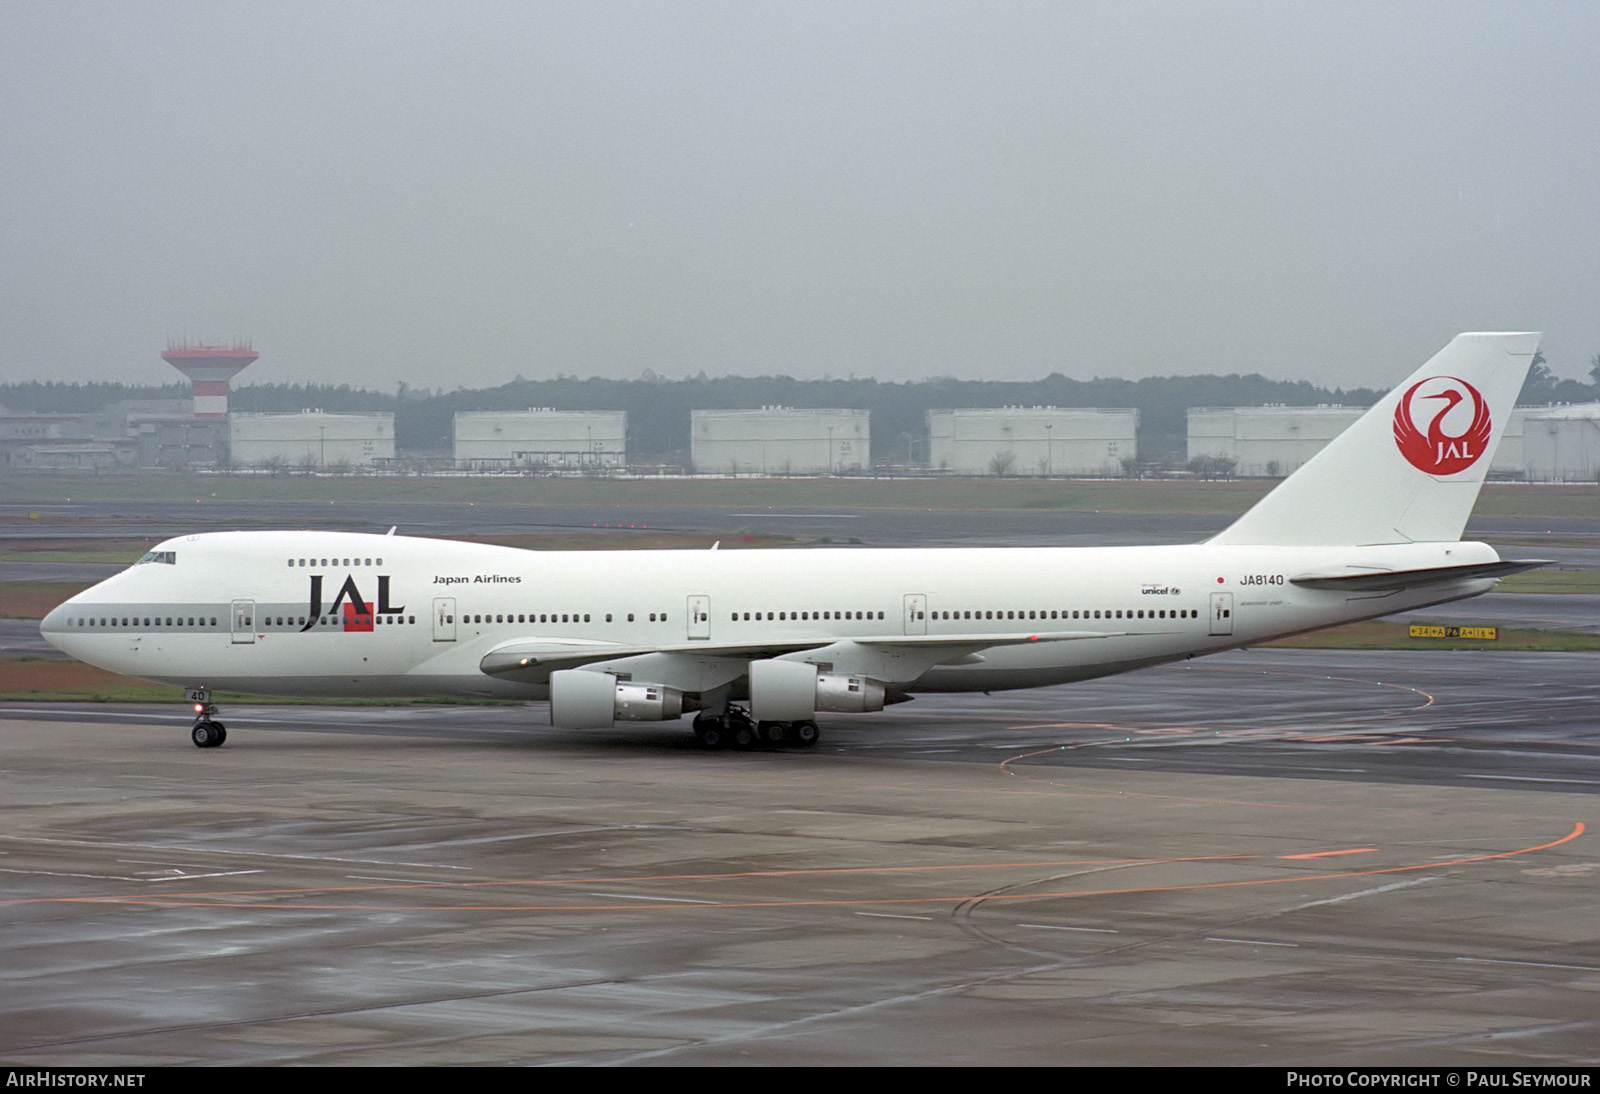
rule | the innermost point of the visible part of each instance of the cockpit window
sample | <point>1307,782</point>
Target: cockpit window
<point>170,558</point>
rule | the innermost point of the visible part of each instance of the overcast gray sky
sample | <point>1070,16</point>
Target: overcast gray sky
<point>452,194</point>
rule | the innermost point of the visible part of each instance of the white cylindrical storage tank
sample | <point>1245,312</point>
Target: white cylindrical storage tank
<point>311,439</point>
<point>1266,440</point>
<point>1557,444</point>
<point>1039,440</point>
<point>541,437</point>
<point>780,441</point>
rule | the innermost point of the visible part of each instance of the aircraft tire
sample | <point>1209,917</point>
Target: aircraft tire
<point>806,733</point>
<point>206,735</point>
<point>712,735</point>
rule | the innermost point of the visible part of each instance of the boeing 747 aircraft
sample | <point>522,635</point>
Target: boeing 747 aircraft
<point>756,643</point>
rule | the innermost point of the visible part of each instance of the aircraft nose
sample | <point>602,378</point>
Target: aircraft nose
<point>52,628</point>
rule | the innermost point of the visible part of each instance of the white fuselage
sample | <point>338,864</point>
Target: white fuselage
<point>324,613</point>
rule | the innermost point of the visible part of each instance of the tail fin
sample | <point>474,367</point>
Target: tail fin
<point>1409,469</point>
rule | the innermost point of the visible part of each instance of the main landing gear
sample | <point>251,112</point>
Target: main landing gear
<point>207,731</point>
<point>737,730</point>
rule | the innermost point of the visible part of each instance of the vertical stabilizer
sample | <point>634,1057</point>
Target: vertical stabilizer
<point>1409,469</point>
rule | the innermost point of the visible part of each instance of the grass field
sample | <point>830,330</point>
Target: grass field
<point>1109,495</point>
<point>28,678</point>
<point>34,599</point>
<point>1552,581</point>
<point>121,551</point>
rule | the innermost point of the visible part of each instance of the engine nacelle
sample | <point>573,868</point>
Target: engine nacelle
<point>848,694</point>
<point>793,691</point>
<point>598,700</point>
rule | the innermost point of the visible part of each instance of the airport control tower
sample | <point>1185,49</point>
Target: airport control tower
<point>210,368</point>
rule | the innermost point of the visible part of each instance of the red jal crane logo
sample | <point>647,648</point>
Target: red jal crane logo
<point>1431,449</point>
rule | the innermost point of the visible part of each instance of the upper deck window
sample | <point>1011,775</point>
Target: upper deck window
<point>170,558</point>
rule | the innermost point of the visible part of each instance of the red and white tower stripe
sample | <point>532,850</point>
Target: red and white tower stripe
<point>210,368</point>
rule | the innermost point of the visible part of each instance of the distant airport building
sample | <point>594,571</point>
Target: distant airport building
<point>541,438</point>
<point>51,441</point>
<point>1039,440</point>
<point>1266,440</point>
<point>311,439</point>
<point>779,440</point>
<point>163,433</point>
<point>45,428</point>
<point>59,457</point>
<point>1551,444</point>
<point>134,433</point>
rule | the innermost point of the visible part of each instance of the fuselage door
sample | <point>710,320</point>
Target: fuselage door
<point>916,613</point>
<point>244,621</point>
<point>444,619</point>
<point>699,616</point>
<point>1221,613</point>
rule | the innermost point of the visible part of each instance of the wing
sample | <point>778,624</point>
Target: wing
<point>532,660</point>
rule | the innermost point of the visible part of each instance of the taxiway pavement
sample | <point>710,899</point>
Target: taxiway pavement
<point>1271,857</point>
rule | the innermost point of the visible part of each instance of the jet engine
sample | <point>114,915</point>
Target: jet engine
<point>793,691</point>
<point>598,700</point>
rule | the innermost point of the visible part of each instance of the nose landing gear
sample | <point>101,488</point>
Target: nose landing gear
<point>207,731</point>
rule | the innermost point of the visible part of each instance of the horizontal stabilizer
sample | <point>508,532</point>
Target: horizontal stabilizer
<point>1369,580</point>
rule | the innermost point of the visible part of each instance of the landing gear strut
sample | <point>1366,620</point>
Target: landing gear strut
<point>737,730</point>
<point>207,731</point>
